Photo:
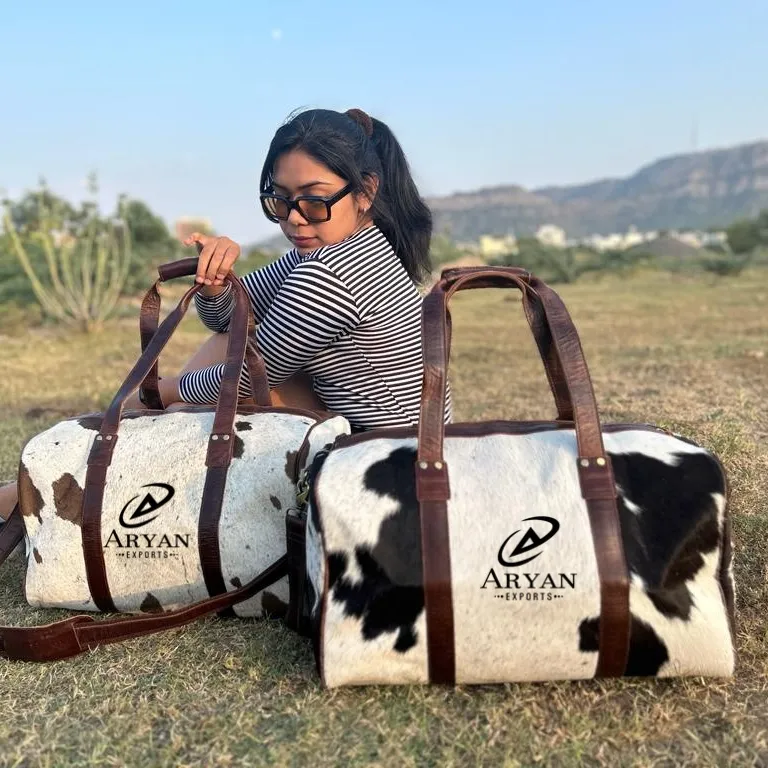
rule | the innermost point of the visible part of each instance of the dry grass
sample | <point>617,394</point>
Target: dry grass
<point>692,355</point>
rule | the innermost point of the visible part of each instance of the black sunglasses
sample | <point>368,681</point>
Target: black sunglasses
<point>313,208</point>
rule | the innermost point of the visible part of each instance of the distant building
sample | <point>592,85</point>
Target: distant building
<point>699,239</point>
<point>186,225</point>
<point>714,238</point>
<point>551,235</point>
<point>633,238</point>
<point>497,245</point>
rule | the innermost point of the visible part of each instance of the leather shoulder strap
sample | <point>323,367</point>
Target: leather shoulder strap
<point>75,635</point>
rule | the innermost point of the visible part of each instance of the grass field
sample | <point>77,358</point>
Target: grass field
<point>690,354</point>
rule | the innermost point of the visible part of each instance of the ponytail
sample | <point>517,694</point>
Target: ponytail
<point>398,210</point>
<point>356,147</point>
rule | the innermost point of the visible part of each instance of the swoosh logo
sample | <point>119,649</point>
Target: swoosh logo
<point>148,509</point>
<point>530,541</point>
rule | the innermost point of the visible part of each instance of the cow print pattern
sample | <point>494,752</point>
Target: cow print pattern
<point>669,522</point>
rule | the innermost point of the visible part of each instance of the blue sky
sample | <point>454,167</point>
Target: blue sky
<point>176,102</point>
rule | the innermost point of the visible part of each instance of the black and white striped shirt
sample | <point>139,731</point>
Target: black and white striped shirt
<point>347,314</point>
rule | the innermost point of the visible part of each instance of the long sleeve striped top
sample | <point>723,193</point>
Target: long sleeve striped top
<point>347,314</point>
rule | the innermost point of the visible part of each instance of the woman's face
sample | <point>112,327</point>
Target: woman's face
<point>296,173</point>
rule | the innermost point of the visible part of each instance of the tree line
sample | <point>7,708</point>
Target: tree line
<point>72,263</point>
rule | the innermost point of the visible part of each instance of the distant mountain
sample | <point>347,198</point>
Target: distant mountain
<point>691,191</point>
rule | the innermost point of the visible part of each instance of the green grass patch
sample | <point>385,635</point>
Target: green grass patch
<point>677,351</point>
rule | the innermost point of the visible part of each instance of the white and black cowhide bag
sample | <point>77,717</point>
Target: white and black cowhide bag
<point>517,551</point>
<point>172,513</point>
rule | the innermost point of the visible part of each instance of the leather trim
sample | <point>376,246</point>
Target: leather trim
<point>569,379</point>
<point>438,597</point>
<point>483,429</point>
<point>208,531</point>
<point>93,551</point>
<point>149,320</point>
<point>245,408</point>
<point>726,556</point>
<point>295,539</point>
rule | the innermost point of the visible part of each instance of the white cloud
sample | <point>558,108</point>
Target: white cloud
<point>277,35</point>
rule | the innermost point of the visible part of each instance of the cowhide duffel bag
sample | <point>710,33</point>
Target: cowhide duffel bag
<point>149,510</point>
<point>517,551</point>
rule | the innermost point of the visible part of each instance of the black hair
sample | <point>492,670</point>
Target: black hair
<point>352,150</point>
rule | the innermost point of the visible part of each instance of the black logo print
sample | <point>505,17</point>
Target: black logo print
<point>148,509</point>
<point>530,541</point>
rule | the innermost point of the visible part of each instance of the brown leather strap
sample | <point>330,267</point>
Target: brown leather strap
<point>295,539</point>
<point>93,550</point>
<point>11,533</point>
<point>208,530</point>
<point>149,319</point>
<point>220,444</point>
<point>598,488</point>
<point>438,598</point>
<point>595,474</point>
<point>75,635</point>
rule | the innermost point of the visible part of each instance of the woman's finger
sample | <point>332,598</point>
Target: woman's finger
<point>228,260</point>
<point>216,258</point>
<point>203,261</point>
<point>197,237</point>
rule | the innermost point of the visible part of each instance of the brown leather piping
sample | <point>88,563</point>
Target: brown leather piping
<point>593,466</point>
<point>244,408</point>
<point>317,629</point>
<point>726,586</point>
<point>485,429</point>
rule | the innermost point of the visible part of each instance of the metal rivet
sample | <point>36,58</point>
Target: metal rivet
<point>438,465</point>
<point>225,437</point>
<point>98,437</point>
<point>584,462</point>
<point>600,461</point>
<point>109,437</point>
<point>214,437</point>
<point>423,465</point>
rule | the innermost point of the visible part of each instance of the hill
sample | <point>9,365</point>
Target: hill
<point>690,191</point>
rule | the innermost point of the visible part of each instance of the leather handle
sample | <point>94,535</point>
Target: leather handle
<point>487,277</point>
<point>220,441</point>
<point>149,320</point>
<point>498,277</point>
<point>436,339</point>
<point>180,268</point>
<point>564,348</point>
<point>77,634</point>
<point>593,466</point>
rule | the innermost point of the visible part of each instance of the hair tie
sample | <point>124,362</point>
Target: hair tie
<point>362,119</point>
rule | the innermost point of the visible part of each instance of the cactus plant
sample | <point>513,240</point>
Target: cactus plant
<point>86,270</point>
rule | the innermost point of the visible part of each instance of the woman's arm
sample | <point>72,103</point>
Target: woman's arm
<point>262,286</point>
<point>312,308</point>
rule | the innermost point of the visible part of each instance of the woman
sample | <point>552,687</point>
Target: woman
<point>340,314</point>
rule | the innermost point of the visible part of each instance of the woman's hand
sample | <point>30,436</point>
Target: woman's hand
<point>217,256</point>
